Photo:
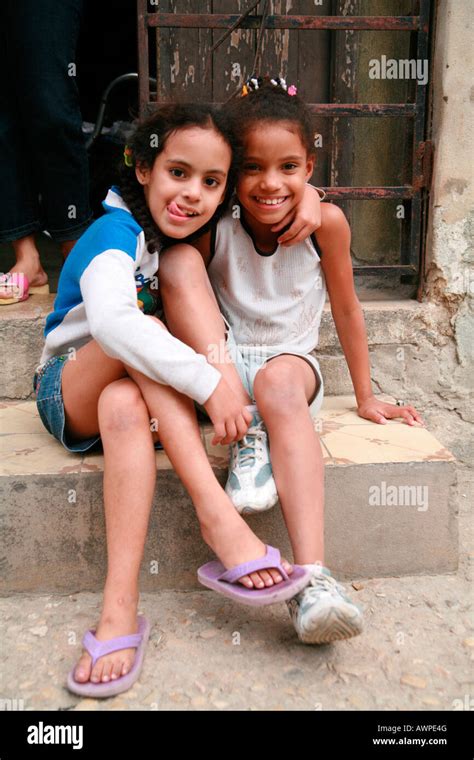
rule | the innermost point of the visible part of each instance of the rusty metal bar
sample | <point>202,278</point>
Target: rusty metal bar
<point>385,269</point>
<point>236,24</point>
<point>370,193</point>
<point>419,147</point>
<point>349,109</point>
<point>224,20</point>
<point>363,109</point>
<point>143,56</point>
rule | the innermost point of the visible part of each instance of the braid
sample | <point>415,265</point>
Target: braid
<point>134,197</point>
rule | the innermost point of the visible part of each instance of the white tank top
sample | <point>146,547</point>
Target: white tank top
<point>273,301</point>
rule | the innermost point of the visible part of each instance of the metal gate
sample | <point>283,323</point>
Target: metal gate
<point>155,48</point>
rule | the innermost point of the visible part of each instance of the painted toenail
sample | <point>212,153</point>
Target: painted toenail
<point>114,676</point>
<point>105,678</point>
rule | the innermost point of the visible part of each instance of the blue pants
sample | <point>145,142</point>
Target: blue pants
<point>44,178</point>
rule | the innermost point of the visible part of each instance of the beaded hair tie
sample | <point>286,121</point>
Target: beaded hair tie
<point>254,83</point>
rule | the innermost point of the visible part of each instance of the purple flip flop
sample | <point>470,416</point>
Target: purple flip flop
<point>98,648</point>
<point>215,576</point>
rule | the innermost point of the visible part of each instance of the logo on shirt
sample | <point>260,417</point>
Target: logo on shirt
<point>148,294</point>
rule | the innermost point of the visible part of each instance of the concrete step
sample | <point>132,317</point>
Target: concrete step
<point>390,507</point>
<point>393,332</point>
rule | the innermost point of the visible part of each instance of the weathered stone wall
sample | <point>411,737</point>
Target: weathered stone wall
<point>449,260</point>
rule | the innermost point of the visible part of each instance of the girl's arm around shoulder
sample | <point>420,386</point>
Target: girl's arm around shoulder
<point>302,220</point>
<point>334,238</point>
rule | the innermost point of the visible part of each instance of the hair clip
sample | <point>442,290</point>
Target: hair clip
<point>127,155</point>
<point>252,84</point>
<point>278,82</point>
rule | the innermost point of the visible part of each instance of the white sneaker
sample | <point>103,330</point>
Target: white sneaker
<point>250,484</point>
<point>322,612</point>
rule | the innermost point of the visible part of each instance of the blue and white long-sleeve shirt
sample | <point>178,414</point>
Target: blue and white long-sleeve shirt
<point>97,299</point>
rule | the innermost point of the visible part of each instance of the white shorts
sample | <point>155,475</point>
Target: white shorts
<point>249,361</point>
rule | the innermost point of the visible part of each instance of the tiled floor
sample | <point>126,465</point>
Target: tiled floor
<point>27,448</point>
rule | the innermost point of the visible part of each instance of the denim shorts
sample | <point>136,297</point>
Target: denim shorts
<point>50,405</point>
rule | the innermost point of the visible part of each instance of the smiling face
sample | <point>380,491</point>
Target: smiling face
<point>187,181</point>
<point>275,169</point>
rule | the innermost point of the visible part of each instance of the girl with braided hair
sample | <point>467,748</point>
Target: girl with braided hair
<point>110,371</point>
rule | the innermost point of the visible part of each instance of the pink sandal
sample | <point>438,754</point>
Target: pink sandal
<point>21,289</point>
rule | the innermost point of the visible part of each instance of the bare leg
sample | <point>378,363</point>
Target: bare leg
<point>129,481</point>
<point>192,312</point>
<point>28,262</point>
<point>129,484</point>
<point>222,527</point>
<point>282,389</point>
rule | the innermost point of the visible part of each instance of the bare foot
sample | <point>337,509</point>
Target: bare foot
<point>234,542</point>
<point>118,620</point>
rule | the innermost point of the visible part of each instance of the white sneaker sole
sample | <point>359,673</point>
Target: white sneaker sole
<point>250,509</point>
<point>333,624</point>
